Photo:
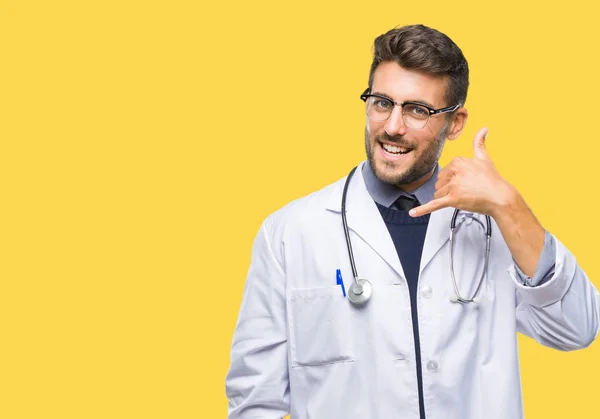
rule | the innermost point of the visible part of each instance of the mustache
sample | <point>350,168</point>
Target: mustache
<point>394,140</point>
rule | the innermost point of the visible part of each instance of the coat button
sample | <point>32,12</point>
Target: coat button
<point>432,366</point>
<point>426,292</point>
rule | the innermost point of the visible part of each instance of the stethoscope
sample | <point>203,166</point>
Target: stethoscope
<point>361,290</point>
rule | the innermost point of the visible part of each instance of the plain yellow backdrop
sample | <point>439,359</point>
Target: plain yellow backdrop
<point>142,143</point>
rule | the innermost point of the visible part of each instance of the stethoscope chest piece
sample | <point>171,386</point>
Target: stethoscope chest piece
<point>360,292</point>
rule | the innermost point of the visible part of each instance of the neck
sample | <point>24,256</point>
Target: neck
<point>411,187</point>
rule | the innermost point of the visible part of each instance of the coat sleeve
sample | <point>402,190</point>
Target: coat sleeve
<point>257,383</point>
<point>545,266</point>
<point>562,313</point>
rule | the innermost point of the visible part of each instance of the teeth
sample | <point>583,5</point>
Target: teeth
<point>394,149</point>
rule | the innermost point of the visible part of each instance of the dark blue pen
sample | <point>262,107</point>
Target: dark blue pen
<point>340,281</point>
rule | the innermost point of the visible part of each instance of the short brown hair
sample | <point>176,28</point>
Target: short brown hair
<point>427,50</point>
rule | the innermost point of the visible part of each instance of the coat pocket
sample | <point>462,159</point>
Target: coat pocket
<point>319,326</point>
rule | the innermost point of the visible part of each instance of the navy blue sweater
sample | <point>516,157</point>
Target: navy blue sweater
<point>408,235</point>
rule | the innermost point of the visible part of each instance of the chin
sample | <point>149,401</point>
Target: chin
<point>388,173</point>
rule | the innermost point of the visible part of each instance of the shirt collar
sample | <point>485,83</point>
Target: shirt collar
<point>386,194</point>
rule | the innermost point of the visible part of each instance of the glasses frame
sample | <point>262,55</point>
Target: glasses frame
<point>365,95</point>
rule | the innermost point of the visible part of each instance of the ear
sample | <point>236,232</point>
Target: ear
<point>457,124</point>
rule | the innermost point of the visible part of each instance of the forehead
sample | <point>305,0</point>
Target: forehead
<point>408,85</point>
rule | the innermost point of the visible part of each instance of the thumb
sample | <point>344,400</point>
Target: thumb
<point>479,144</point>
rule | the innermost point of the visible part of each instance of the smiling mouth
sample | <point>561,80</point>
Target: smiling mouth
<point>395,150</point>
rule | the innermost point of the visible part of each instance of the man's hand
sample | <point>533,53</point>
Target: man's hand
<point>470,184</point>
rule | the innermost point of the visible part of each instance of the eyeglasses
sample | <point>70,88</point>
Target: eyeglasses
<point>415,115</point>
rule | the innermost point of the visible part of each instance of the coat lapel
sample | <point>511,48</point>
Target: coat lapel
<point>365,220</point>
<point>438,233</point>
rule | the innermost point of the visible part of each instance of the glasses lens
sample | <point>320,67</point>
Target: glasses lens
<point>379,109</point>
<point>415,116</point>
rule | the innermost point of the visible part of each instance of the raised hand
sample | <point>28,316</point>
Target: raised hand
<point>470,184</point>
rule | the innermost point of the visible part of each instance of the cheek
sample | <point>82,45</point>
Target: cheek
<point>435,127</point>
<point>424,141</point>
<point>374,130</point>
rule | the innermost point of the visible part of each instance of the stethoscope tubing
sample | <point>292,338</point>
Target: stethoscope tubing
<point>346,230</point>
<point>357,288</point>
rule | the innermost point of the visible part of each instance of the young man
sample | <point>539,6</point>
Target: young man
<point>433,333</point>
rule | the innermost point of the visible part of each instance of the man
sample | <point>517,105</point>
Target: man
<point>437,338</point>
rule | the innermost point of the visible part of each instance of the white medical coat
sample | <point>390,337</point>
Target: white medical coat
<point>300,347</point>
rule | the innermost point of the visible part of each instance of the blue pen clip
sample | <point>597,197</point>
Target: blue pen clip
<point>340,281</point>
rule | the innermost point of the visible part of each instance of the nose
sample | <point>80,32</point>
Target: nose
<point>395,124</point>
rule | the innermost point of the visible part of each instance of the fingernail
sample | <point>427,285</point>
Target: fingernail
<point>412,212</point>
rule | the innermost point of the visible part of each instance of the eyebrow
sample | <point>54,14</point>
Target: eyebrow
<point>421,102</point>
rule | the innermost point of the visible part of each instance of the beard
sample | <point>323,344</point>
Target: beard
<point>424,165</point>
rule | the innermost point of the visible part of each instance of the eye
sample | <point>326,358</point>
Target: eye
<point>416,111</point>
<point>383,103</point>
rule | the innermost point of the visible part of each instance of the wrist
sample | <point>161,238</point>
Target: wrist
<point>507,202</point>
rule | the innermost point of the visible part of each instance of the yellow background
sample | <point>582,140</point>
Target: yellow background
<point>143,143</point>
